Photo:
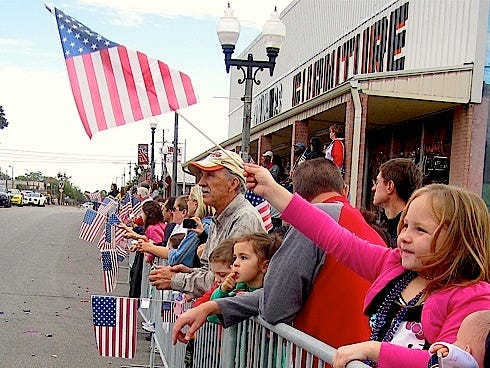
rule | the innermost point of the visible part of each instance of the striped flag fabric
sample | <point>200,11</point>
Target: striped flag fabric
<point>262,206</point>
<point>115,322</point>
<point>113,220</point>
<point>108,258</point>
<point>94,197</point>
<point>122,250</point>
<point>91,225</point>
<point>124,210</point>
<point>137,209</point>
<point>108,206</point>
<point>143,154</point>
<point>113,85</point>
<point>106,240</point>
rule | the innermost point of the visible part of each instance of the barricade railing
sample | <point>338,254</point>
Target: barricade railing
<point>251,343</point>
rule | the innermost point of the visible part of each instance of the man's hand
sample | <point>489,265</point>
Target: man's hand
<point>200,249</point>
<point>181,268</point>
<point>194,318</point>
<point>161,277</point>
<point>368,350</point>
<point>146,246</point>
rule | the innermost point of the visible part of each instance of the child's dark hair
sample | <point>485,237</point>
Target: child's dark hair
<point>175,240</point>
<point>153,213</point>
<point>265,245</point>
<point>223,253</point>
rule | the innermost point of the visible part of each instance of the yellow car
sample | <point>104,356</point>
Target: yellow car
<point>16,197</point>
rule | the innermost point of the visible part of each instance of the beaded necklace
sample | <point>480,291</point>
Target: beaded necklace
<point>380,318</point>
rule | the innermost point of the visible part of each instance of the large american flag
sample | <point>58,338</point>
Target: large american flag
<point>108,258</point>
<point>115,324</point>
<point>113,85</point>
<point>91,225</point>
<point>262,206</point>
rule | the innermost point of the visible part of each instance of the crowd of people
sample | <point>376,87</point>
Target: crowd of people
<point>389,291</point>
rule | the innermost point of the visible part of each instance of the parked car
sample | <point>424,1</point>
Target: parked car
<point>37,199</point>
<point>4,197</point>
<point>16,197</point>
<point>88,205</point>
<point>26,194</point>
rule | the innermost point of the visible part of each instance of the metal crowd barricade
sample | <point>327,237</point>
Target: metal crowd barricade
<point>252,343</point>
<point>256,343</point>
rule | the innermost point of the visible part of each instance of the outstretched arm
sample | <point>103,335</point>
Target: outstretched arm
<point>261,182</point>
<point>194,318</point>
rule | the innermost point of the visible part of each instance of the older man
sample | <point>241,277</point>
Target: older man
<point>223,184</point>
<point>303,285</point>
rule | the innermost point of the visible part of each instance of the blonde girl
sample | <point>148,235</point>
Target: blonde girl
<point>422,290</point>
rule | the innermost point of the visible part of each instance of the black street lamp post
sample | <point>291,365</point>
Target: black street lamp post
<point>153,126</point>
<point>273,34</point>
<point>12,167</point>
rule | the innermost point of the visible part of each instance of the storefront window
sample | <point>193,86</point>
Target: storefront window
<point>431,135</point>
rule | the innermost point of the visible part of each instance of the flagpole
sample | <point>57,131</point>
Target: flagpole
<point>50,7</point>
<point>216,144</point>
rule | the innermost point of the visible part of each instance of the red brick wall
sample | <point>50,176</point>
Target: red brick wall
<point>265,144</point>
<point>299,135</point>
<point>468,146</point>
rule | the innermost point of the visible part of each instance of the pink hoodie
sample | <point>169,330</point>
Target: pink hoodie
<point>443,311</point>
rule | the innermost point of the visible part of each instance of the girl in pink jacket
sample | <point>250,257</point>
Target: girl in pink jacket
<point>421,291</point>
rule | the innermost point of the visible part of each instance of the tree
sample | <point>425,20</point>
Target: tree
<point>3,120</point>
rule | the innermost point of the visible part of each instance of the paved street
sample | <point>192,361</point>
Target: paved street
<point>47,276</point>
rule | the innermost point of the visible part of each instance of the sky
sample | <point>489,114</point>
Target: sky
<point>45,132</point>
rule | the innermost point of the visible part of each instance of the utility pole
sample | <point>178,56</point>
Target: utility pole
<point>164,157</point>
<point>176,147</point>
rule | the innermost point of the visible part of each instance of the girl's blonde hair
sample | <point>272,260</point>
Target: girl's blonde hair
<point>202,210</point>
<point>462,256</point>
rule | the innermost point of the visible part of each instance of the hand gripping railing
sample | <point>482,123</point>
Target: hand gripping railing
<point>252,343</point>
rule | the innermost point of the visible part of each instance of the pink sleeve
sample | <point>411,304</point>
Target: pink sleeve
<point>155,233</point>
<point>445,310</point>
<point>361,256</point>
<point>397,356</point>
